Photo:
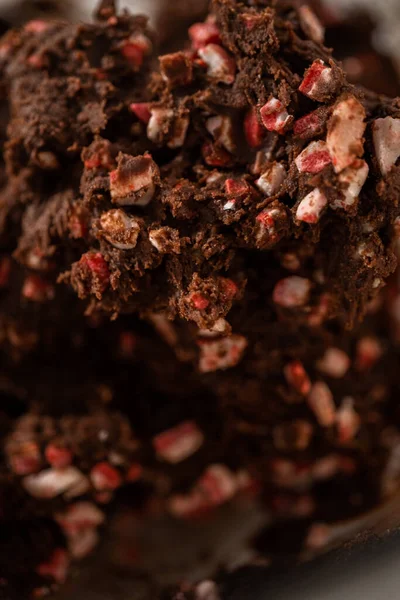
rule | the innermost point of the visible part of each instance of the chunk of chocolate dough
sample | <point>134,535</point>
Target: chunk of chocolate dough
<point>249,140</point>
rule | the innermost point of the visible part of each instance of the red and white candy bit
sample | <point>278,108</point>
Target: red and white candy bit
<point>229,289</point>
<point>5,270</point>
<point>199,301</point>
<point>347,421</point>
<point>202,34</point>
<point>386,136</point>
<point>223,353</point>
<point>218,484</point>
<point>58,457</point>
<point>134,473</point>
<point>222,129</point>
<point>56,567</point>
<point>308,126</point>
<point>297,377</point>
<point>272,179</point>
<point>135,49</point>
<point>335,363</point>
<point>310,208</point>
<point>369,351</point>
<point>267,221</point>
<point>253,129</point>
<point>207,590</point>
<point>319,535</point>
<point>220,327</point>
<point>318,81</point>
<point>105,477</point>
<point>83,543</point>
<point>177,135</point>
<point>37,26</point>
<point>24,458</point>
<point>292,292</point>
<point>352,181</point>
<point>119,229</point>
<point>320,312</point>
<point>314,158</point>
<point>53,482</point>
<point>97,269</point>
<point>178,443</point>
<point>274,116</point>
<point>236,188</point>
<point>320,400</point>
<point>79,516</point>
<point>159,123</point>
<point>133,182</point>
<point>310,24</point>
<point>37,289</point>
<point>220,65</point>
<point>141,110</point>
<point>345,133</point>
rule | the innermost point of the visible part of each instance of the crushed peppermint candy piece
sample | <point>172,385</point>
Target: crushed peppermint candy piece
<point>352,181</point>
<point>310,208</point>
<point>314,158</point>
<point>37,289</point>
<point>223,353</point>
<point>347,421</point>
<point>56,567</point>
<point>297,377</point>
<point>292,292</point>
<point>320,400</point>
<point>159,123</point>
<point>310,24</point>
<point>369,351</point>
<point>220,65</point>
<point>79,516</point>
<point>215,156</point>
<point>202,34</point>
<point>222,129</point>
<point>136,48</point>
<point>119,229</point>
<point>272,179</point>
<point>386,136</point>
<point>206,590</point>
<point>218,483</point>
<point>58,457</point>
<point>53,482</point>
<point>345,133</point>
<point>310,125</point>
<point>318,81</point>
<point>134,181</point>
<point>105,477</point>
<point>274,116</point>
<point>253,129</point>
<point>178,443</point>
<point>83,543</point>
<point>334,363</point>
<point>141,110</point>
<point>269,221</point>
<point>24,457</point>
<point>178,131</point>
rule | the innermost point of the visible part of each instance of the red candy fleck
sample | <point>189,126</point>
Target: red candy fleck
<point>253,129</point>
<point>223,353</point>
<point>37,289</point>
<point>135,49</point>
<point>292,292</point>
<point>314,158</point>
<point>178,443</point>
<point>347,421</point>
<point>369,351</point>
<point>274,115</point>
<point>199,301</point>
<point>77,226</point>
<point>317,81</point>
<point>37,26</point>
<point>36,61</point>
<point>229,288</point>
<point>105,477</point>
<point>97,267</point>
<point>297,377</point>
<point>5,270</point>
<point>215,156</point>
<point>56,567</point>
<point>141,110</point>
<point>202,34</point>
<point>57,456</point>
<point>308,125</point>
<point>134,473</point>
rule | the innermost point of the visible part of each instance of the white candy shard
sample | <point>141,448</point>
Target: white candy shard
<point>310,208</point>
<point>272,179</point>
<point>53,482</point>
<point>345,133</point>
<point>221,354</point>
<point>352,179</point>
<point>334,363</point>
<point>320,400</point>
<point>178,443</point>
<point>221,128</point>
<point>292,292</point>
<point>386,136</point>
<point>220,66</point>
